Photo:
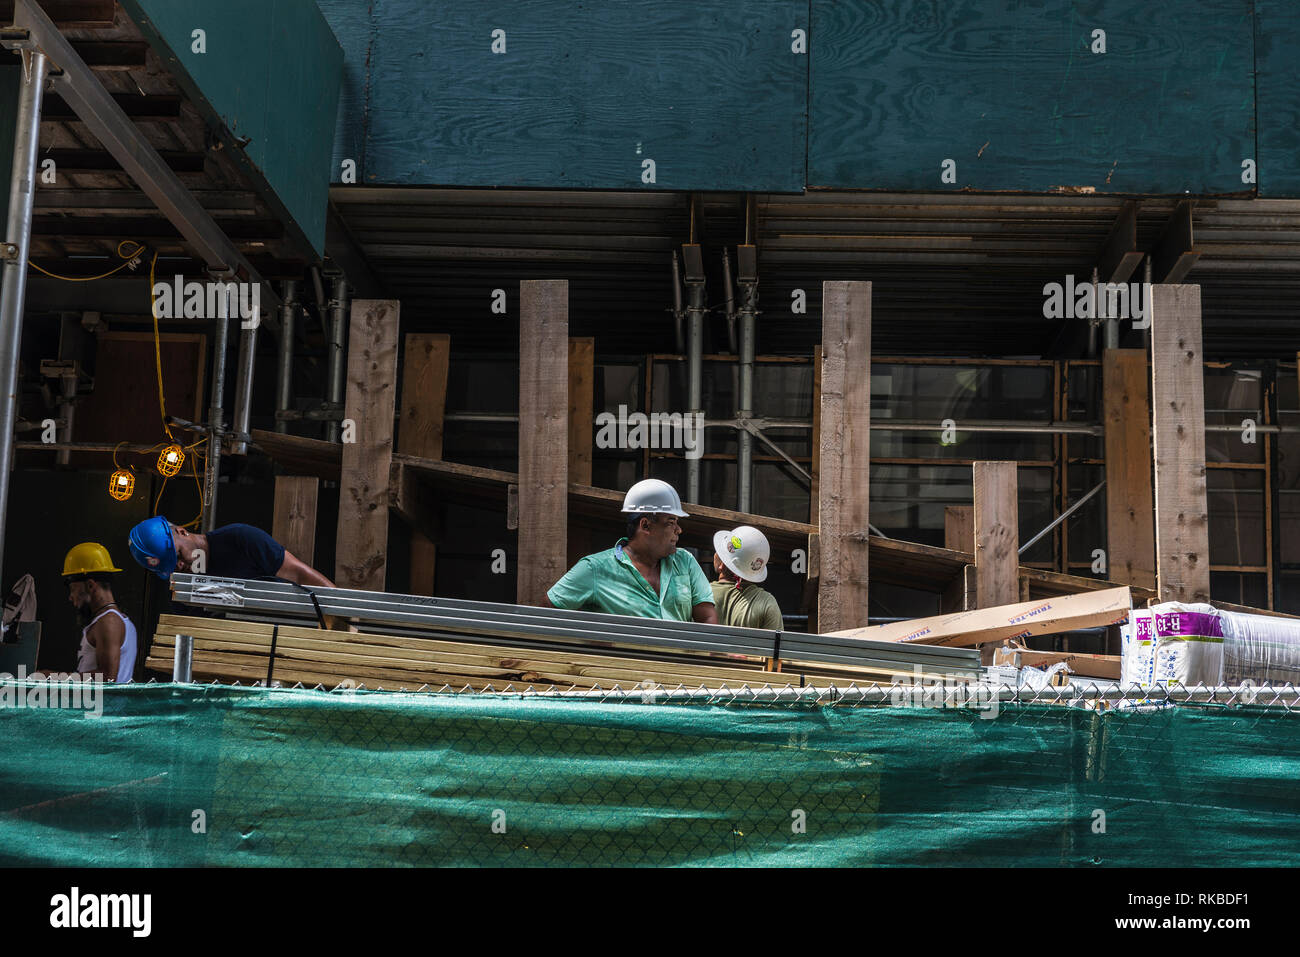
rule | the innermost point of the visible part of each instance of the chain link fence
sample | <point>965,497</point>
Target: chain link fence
<point>775,776</point>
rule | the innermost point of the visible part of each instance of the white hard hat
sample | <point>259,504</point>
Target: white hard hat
<point>744,551</point>
<point>652,495</point>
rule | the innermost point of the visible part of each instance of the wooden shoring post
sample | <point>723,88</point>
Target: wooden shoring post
<point>997,538</point>
<point>543,436</point>
<point>815,470</point>
<point>844,462</point>
<point>1130,535</point>
<point>361,543</point>
<point>582,385</point>
<point>425,364</point>
<point>1178,417</point>
<point>959,528</point>
<point>294,521</point>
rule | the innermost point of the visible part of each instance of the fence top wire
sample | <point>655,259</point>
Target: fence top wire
<point>928,693</point>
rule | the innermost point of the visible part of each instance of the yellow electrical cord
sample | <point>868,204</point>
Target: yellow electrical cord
<point>129,257</point>
<point>157,352</point>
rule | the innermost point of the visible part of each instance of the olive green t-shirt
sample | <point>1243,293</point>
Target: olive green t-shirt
<point>747,607</point>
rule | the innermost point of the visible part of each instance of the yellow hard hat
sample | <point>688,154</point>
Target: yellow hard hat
<point>86,558</point>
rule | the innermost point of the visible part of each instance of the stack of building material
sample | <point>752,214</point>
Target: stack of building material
<point>1178,644</point>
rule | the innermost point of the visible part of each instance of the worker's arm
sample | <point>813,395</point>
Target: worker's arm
<point>295,571</point>
<point>109,634</point>
<point>706,613</point>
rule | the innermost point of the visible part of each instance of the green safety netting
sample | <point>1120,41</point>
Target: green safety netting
<point>173,775</point>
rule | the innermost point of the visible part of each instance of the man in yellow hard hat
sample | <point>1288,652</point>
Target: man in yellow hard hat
<point>108,641</point>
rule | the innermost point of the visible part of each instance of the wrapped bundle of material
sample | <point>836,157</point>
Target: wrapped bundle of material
<point>1138,650</point>
<point>1260,648</point>
<point>1189,644</point>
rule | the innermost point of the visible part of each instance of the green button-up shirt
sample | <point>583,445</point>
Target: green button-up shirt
<point>608,582</point>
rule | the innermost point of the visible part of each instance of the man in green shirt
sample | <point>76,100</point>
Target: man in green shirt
<point>644,574</point>
<point>740,560</point>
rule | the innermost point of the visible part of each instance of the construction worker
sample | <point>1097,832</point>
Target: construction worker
<point>232,551</point>
<point>108,642</point>
<point>643,574</point>
<point>740,561</point>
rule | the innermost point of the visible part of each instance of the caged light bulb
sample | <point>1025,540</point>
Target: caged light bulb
<point>170,460</point>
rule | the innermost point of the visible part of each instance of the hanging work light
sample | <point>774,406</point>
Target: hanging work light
<point>170,460</point>
<point>121,484</point>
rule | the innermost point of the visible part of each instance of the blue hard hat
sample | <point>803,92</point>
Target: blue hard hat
<point>152,546</point>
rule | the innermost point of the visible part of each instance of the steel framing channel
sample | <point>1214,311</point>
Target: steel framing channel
<point>456,616</point>
<point>82,91</point>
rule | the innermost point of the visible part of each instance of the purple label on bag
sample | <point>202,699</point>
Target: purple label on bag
<point>1176,623</point>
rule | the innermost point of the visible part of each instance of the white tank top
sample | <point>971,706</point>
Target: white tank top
<point>87,659</point>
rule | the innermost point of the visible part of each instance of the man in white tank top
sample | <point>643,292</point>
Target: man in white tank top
<point>108,641</point>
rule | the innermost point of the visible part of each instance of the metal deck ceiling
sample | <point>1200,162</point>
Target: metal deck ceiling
<point>955,274</point>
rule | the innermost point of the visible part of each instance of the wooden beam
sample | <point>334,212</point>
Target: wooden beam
<point>1174,254</point>
<point>361,543</point>
<point>302,455</point>
<point>582,385</point>
<point>959,528</point>
<point>1130,533</point>
<point>1027,619</point>
<point>424,398</point>
<point>997,533</point>
<point>294,522</point>
<point>815,470</point>
<point>1120,255</point>
<point>1092,666</point>
<point>1178,414</point>
<point>543,436</point>
<point>844,464</point>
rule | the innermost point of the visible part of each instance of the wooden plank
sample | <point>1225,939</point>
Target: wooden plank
<point>997,533</point>
<point>1130,533</point>
<point>1178,415</point>
<point>1092,666</point>
<point>1026,619</point>
<point>543,436</point>
<point>582,385</point>
<point>1120,255</point>
<point>361,549</point>
<point>959,528</point>
<point>845,458</point>
<point>426,358</point>
<point>815,470</point>
<point>1174,254</point>
<point>294,521</point>
<point>302,455</point>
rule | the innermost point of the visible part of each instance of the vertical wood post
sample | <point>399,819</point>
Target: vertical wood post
<point>582,386</point>
<point>844,465</point>
<point>959,528</point>
<point>997,534</point>
<point>543,436</point>
<point>1130,532</point>
<point>294,523</point>
<point>815,471</point>
<point>1178,415</point>
<point>424,400</point>
<point>362,538</point>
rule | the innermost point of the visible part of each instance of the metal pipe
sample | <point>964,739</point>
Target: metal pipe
<point>284,359</point>
<point>1061,518</point>
<point>18,240</point>
<point>244,388</point>
<point>678,312</point>
<point>1093,321</point>
<point>66,411</point>
<point>729,299</point>
<point>745,400</point>
<point>183,661</point>
<point>1146,291</point>
<point>695,378</point>
<point>338,308</point>
<point>216,419</point>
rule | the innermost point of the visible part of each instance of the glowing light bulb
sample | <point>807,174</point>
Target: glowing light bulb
<point>170,460</point>
<point>121,484</point>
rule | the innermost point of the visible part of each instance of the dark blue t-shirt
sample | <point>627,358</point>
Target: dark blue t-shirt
<point>243,551</point>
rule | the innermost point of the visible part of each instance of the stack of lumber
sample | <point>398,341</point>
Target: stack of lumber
<point>230,650</point>
<point>1017,622</point>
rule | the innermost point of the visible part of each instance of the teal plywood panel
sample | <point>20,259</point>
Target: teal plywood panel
<point>585,92</point>
<point>269,70</point>
<point>353,25</point>
<point>1012,92</point>
<point>1277,47</point>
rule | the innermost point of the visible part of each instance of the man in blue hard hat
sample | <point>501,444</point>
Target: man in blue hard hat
<point>232,551</point>
<point>644,574</point>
